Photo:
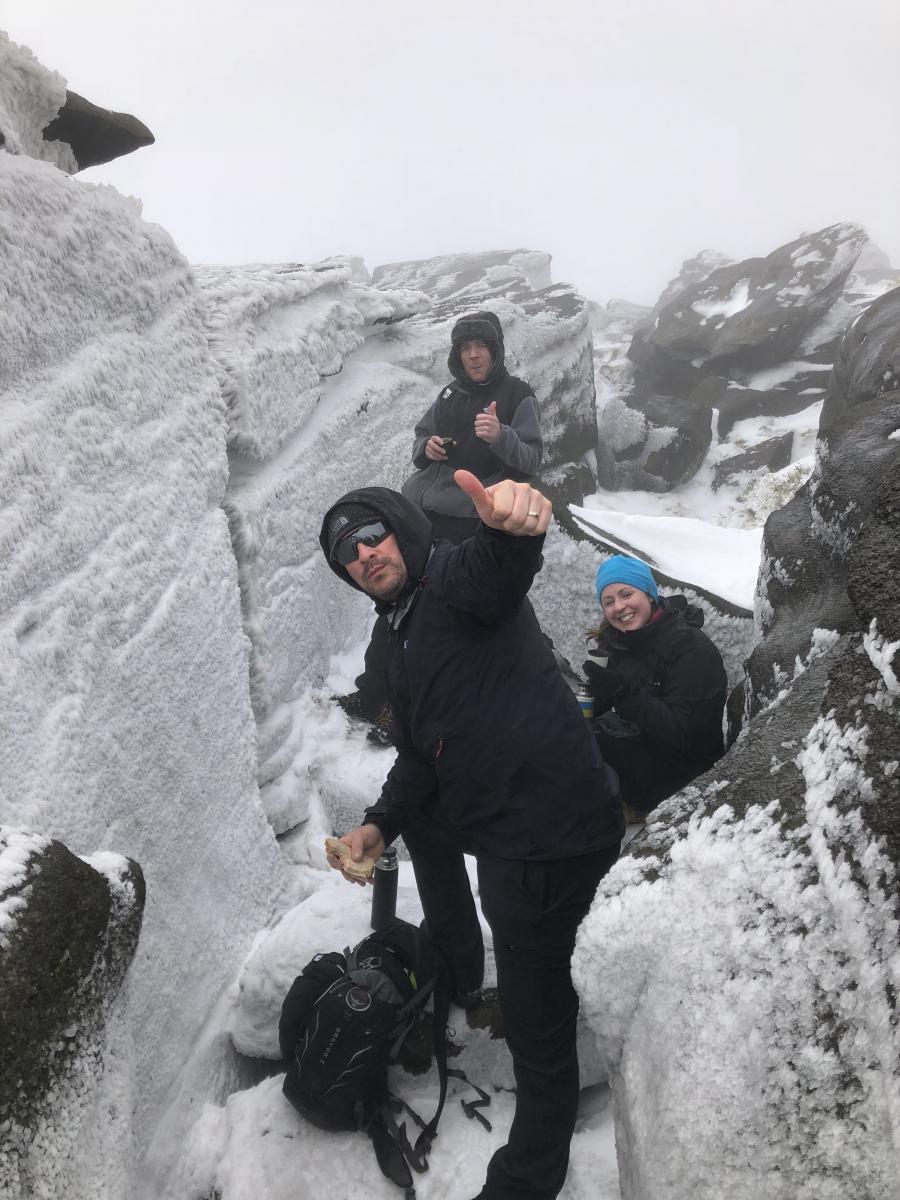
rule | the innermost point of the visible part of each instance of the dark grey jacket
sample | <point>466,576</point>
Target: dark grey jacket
<point>516,454</point>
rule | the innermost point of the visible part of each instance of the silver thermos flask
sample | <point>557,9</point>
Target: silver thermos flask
<point>384,889</point>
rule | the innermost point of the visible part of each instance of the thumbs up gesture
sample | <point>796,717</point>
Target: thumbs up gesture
<point>487,427</point>
<point>516,508</point>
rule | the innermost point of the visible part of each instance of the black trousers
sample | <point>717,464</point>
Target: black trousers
<point>450,914</point>
<point>534,910</point>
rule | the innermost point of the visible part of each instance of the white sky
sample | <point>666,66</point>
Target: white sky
<point>620,137</point>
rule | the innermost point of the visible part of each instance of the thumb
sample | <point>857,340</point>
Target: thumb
<point>473,488</point>
<point>492,409</point>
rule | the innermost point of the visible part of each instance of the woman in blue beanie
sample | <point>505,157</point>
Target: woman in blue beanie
<point>658,683</point>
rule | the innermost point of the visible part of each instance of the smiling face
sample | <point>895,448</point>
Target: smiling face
<point>626,607</point>
<point>379,570</point>
<point>476,360</point>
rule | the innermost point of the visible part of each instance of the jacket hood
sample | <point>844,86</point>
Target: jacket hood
<point>676,612</point>
<point>407,522</point>
<point>678,604</point>
<point>483,327</point>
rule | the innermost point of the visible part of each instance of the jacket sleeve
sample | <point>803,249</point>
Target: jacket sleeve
<point>409,786</point>
<point>520,444</point>
<point>680,712</point>
<point>425,428</point>
<point>489,575</point>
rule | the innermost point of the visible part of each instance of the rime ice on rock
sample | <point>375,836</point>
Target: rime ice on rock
<point>319,365</point>
<point>124,694</point>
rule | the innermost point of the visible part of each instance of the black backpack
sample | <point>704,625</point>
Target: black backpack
<point>344,1021</point>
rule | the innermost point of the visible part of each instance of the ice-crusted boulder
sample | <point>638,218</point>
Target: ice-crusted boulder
<point>740,965</point>
<point>811,547</point>
<point>755,313</point>
<point>124,696</point>
<point>68,931</point>
<point>727,342</point>
<point>40,118</point>
<point>318,363</point>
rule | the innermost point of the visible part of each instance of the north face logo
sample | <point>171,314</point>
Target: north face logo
<point>338,524</point>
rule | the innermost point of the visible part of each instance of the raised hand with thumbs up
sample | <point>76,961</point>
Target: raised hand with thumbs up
<point>487,426</point>
<point>516,508</point>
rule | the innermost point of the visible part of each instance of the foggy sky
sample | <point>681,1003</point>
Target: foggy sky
<point>621,137</point>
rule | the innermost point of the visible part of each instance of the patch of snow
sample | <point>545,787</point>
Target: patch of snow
<point>771,377</point>
<point>17,848</point>
<point>799,259</point>
<point>881,655</point>
<point>727,306</point>
<point>724,562</point>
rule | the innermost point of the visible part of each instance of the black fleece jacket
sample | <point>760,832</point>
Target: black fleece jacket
<point>673,689</point>
<point>488,733</point>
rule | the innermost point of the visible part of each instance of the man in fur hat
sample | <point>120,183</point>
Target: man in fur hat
<point>485,421</point>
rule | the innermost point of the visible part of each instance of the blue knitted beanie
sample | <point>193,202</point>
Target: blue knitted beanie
<point>620,569</point>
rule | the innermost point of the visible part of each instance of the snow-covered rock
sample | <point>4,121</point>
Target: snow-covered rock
<point>740,965</point>
<point>867,363</point>
<point>124,696</point>
<point>68,930</point>
<point>726,343</point>
<point>318,365</point>
<point>756,312</point>
<point>40,118</point>
<point>30,97</point>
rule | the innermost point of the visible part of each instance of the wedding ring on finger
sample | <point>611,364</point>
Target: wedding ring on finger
<point>533,513</point>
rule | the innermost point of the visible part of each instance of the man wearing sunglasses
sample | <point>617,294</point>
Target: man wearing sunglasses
<point>494,758</point>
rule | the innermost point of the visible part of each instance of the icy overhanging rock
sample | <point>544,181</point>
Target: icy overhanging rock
<point>96,135</point>
<point>40,118</point>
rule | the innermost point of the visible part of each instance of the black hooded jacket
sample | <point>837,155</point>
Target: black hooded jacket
<point>674,691</point>
<point>488,733</point>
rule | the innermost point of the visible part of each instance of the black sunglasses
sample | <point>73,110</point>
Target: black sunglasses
<point>346,551</point>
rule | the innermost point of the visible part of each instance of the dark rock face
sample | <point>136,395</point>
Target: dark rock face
<point>868,358</point>
<point>96,135</point>
<point>805,579</point>
<point>747,339</point>
<point>771,455</point>
<point>757,312</point>
<point>688,431</point>
<point>738,403</point>
<point>73,936</point>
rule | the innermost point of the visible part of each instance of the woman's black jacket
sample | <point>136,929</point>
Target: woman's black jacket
<point>489,735</point>
<point>673,690</point>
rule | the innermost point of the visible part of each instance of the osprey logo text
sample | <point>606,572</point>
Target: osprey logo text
<point>328,1049</point>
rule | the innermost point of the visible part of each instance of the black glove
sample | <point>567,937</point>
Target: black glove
<point>607,685</point>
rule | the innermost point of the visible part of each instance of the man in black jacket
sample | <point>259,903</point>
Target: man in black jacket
<point>493,751</point>
<point>485,421</point>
